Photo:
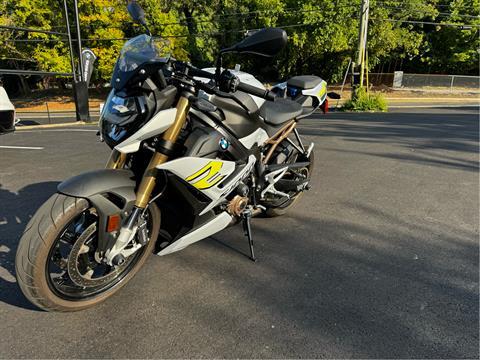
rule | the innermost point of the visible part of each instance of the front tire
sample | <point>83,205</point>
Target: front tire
<point>41,237</point>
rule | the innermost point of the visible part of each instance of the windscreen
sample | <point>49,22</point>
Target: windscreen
<point>138,51</point>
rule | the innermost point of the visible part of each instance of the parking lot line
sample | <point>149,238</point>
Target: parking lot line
<point>55,130</point>
<point>22,147</point>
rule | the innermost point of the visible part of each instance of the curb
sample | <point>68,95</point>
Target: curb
<point>49,126</point>
<point>433,100</point>
<point>331,108</point>
<point>433,106</point>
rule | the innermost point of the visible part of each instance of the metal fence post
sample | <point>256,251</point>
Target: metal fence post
<point>451,82</point>
<point>48,113</point>
<point>397,79</point>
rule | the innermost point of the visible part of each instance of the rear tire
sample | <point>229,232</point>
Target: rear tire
<point>34,251</point>
<point>282,210</point>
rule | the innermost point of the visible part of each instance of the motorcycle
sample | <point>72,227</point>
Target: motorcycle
<point>193,152</point>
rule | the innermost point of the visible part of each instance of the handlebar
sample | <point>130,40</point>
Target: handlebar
<point>230,83</point>
<point>255,91</point>
<point>201,73</point>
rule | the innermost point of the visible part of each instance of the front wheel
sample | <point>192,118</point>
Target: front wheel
<point>57,266</point>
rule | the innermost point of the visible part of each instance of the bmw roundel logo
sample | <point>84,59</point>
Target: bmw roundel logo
<point>224,144</point>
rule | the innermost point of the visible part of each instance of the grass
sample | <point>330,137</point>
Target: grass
<point>365,101</point>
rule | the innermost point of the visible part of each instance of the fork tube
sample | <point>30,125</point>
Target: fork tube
<point>117,160</point>
<point>149,177</point>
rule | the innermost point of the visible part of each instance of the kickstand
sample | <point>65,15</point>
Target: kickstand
<point>247,230</point>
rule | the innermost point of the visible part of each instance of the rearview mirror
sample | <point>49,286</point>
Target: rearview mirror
<point>136,12</point>
<point>333,95</point>
<point>266,42</point>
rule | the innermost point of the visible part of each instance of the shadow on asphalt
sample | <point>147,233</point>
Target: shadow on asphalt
<point>421,135</point>
<point>28,122</point>
<point>329,282</point>
<point>15,212</point>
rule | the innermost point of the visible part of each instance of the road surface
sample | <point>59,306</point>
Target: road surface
<point>380,259</point>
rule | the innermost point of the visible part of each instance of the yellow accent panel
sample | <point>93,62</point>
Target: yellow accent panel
<point>212,176</point>
<point>322,91</point>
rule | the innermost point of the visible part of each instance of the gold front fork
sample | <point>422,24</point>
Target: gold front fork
<point>149,177</point>
<point>117,160</point>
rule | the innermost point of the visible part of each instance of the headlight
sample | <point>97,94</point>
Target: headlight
<point>120,110</point>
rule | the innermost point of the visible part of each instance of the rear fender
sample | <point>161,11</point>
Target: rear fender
<point>110,191</point>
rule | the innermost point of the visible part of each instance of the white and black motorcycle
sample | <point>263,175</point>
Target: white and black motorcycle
<point>197,149</point>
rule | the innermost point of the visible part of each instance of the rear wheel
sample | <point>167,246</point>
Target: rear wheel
<point>57,265</point>
<point>274,211</point>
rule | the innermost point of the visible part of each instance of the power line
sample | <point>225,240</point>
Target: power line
<point>287,11</point>
<point>32,72</point>
<point>425,11</point>
<point>4,27</point>
<point>428,4</point>
<point>16,59</point>
<point>204,34</point>
<point>427,22</point>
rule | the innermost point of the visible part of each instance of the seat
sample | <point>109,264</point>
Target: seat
<point>279,111</point>
<point>304,81</point>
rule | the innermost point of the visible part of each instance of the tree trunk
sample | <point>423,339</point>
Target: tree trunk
<point>24,85</point>
<point>195,55</point>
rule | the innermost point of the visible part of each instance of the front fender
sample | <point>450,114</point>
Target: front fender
<point>86,185</point>
<point>110,191</point>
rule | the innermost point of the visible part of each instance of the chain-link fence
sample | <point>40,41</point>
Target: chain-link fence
<point>401,79</point>
<point>429,80</point>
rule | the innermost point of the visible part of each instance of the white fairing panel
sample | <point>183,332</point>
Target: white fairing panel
<point>157,125</point>
<point>5,103</point>
<point>210,176</point>
<point>258,137</point>
<point>320,91</point>
<point>218,223</point>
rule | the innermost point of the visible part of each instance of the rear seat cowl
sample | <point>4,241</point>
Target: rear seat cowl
<point>304,81</point>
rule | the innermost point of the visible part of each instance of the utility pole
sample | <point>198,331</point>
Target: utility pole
<point>70,44</point>
<point>81,86</point>
<point>359,68</point>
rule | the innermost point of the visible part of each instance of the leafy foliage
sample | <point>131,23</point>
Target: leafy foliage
<point>366,101</point>
<point>322,35</point>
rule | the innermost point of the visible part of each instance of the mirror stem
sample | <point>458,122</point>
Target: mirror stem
<point>147,30</point>
<point>218,70</point>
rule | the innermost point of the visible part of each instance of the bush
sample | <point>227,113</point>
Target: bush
<point>365,101</point>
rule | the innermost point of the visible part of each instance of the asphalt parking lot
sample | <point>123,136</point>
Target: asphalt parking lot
<point>379,260</point>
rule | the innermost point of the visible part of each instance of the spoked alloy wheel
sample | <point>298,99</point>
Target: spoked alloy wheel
<point>57,264</point>
<point>75,269</point>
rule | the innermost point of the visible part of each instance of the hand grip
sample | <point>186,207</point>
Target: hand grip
<point>201,73</point>
<point>255,91</point>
